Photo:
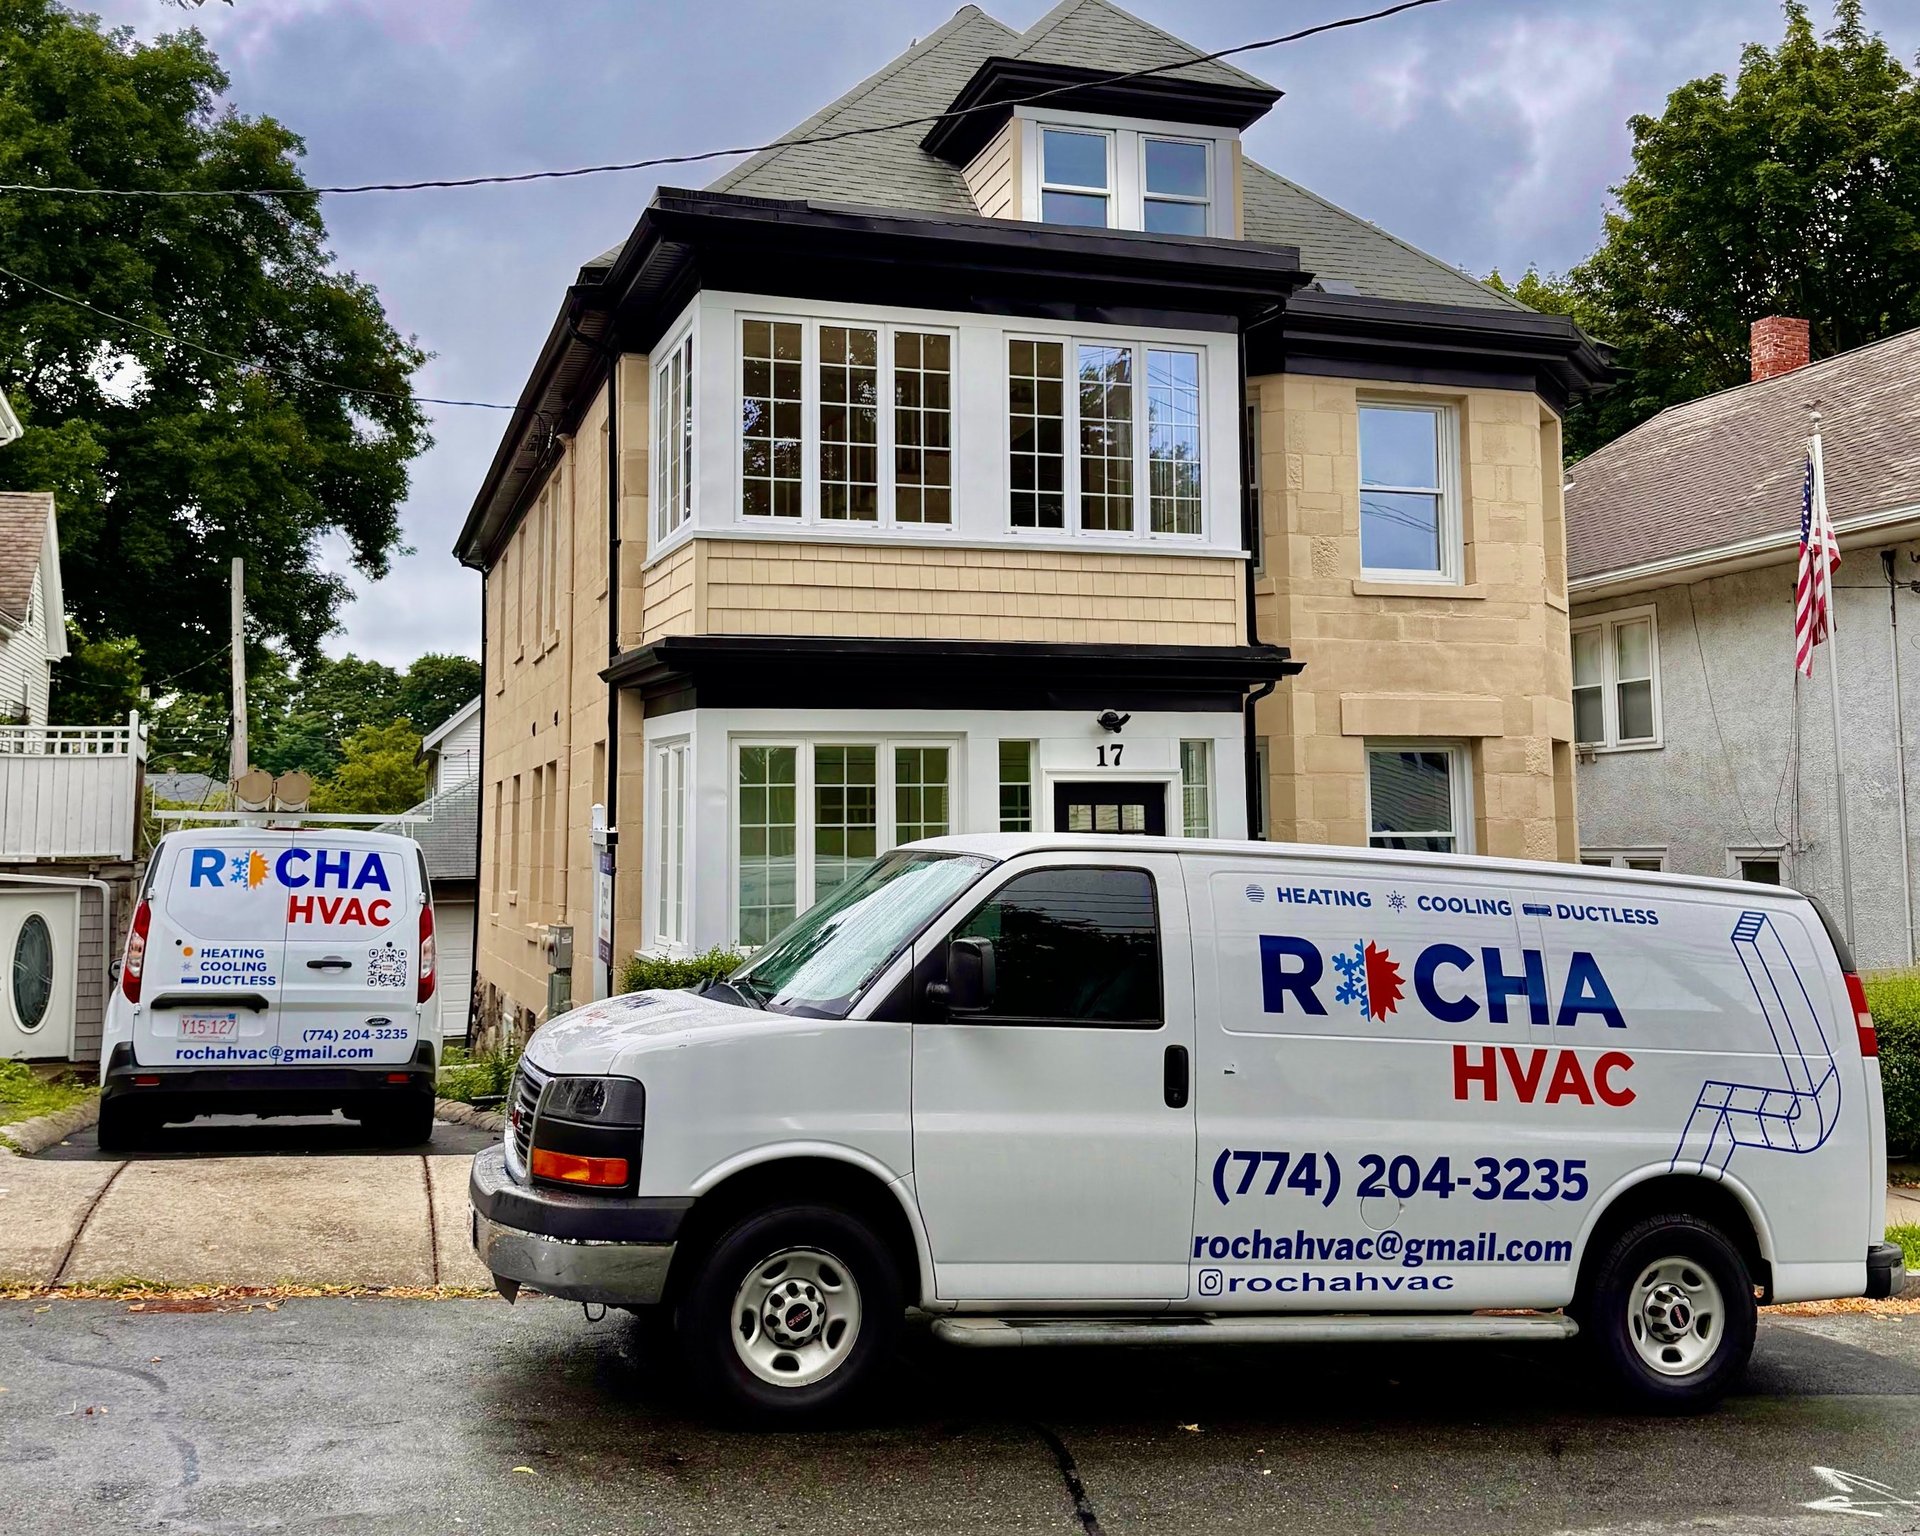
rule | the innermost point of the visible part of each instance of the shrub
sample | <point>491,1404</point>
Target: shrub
<point>471,1079</point>
<point>24,1093</point>
<point>646,973</point>
<point>1895,1001</point>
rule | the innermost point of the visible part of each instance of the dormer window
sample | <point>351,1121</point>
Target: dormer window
<point>1093,174</point>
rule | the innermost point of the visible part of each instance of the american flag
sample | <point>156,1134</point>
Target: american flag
<point>1819,559</point>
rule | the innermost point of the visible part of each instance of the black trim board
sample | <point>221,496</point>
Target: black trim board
<point>810,672</point>
<point>985,101</point>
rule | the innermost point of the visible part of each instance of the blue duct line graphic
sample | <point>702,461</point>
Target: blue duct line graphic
<point>1797,1117</point>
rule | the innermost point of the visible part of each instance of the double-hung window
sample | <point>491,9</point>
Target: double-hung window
<point>1196,788</point>
<point>673,440</point>
<point>1131,470</point>
<point>670,854</point>
<point>1175,182</point>
<point>1409,501</point>
<point>1076,177</point>
<point>1616,691</point>
<point>1417,797</point>
<point>846,424</point>
<point>809,816</point>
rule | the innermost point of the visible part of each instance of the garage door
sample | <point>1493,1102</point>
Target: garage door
<point>453,937</point>
<point>39,937</point>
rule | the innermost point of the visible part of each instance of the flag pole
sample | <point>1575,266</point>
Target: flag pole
<point>1833,690</point>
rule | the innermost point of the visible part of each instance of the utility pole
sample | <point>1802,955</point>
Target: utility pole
<point>237,764</point>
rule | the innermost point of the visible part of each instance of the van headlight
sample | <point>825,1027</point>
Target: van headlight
<point>587,1133</point>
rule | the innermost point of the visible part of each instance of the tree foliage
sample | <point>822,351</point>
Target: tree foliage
<point>165,461</point>
<point>380,772</point>
<point>1794,191</point>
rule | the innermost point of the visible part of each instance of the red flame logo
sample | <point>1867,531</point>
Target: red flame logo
<point>1385,984</point>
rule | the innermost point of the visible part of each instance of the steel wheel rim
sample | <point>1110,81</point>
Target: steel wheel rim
<point>796,1316</point>
<point>1676,1316</point>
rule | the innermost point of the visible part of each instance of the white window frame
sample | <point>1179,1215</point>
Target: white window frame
<point>1605,624</point>
<point>1204,744</point>
<point>1111,192</point>
<point>1141,530</point>
<point>1126,165</point>
<point>810,516</point>
<point>1451,533</point>
<point>803,745</point>
<point>1618,858</point>
<point>1751,853</point>
<point>684,349</point>
<point>672,763</point>
<point>1459,784</point>
<point>1207,203</point>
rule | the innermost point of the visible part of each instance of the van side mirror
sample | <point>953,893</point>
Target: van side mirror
<point>971,981</point>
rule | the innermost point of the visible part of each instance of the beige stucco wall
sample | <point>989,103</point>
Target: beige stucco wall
<point>1485,663</point>
<point>922,592</point>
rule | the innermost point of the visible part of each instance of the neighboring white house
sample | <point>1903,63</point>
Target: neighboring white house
<point>33,623</point>
<point>447,825</point>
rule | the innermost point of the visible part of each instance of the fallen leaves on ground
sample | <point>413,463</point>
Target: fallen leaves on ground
<point>1892,1306</point>
<point>157,1296</point>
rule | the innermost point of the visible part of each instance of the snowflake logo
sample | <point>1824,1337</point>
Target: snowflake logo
<point>1396,901</point>
<point>249,869</point>
<point>240,868</point>
<point>1369,980</point>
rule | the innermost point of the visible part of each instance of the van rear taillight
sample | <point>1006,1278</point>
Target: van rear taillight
<point>135,958</point>
<point>428,974</point>
<point>1862,1016</point>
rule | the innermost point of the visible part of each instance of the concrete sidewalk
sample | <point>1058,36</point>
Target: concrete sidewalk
<point>373,1221</point>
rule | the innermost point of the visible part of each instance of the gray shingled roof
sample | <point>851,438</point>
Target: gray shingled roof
<point>890,170</point>
<point>448,831</point>
<point>1728,468</point>
<point>23,539</point>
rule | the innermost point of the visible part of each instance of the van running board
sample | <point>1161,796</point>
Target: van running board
<point>1032,1332</point>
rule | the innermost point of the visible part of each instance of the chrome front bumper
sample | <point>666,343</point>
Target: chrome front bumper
<point>610,1250</point>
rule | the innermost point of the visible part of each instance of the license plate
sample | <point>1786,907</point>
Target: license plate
<point>209,1026</point>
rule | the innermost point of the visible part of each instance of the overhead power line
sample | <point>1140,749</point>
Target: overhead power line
<point>657,161</point>
<point>293,369</point>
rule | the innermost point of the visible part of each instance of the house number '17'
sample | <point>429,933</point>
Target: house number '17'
<point>1116,749</point>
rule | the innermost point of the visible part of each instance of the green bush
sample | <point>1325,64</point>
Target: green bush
<point>1895,1001</point>
<point>468,1079</point>
<point>24,1093</point>
<point>644,973</point>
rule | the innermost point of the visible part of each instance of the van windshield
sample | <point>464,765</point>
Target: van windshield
<point>821,964</point>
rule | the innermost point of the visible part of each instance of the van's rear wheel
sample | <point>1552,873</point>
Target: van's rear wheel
<point>399,1125</point>
<point>1671,1313</point>
<point>790,1313</point>
<point>125,1127</point>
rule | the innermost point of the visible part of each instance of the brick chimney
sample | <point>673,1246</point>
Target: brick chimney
<point>1780,344</point>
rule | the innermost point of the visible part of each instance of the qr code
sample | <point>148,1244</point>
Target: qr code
<point>386,967</point>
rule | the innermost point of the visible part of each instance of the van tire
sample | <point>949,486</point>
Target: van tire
<point>399,1125</point>
<point>822,1258</point>
<point>123,1127</point>
<point>1670,1313</point>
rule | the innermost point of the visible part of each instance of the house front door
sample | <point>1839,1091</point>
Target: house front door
<point>1110,806</point>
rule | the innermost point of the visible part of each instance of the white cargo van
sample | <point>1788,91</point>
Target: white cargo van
<point>274,972</point>
<point>1056,1090</point>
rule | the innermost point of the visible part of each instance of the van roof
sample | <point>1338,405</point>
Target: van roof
<point>1004,845</point>
<point>194,837</point>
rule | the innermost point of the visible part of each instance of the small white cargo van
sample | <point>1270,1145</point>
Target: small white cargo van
<point>275,971</point>
<point>1055,1090</point>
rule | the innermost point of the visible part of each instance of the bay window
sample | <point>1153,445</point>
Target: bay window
<point>673,440</point>
<point>922,427</point>
<point>1106,438</point>
<point>860,798</point>
<point>770,412</point>
<point>1196,789</point>
<point>670,854</point>
<point>1409,504</point>
<point>850,423</point>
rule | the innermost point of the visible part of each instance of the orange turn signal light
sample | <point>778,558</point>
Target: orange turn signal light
<point>569,1168</point>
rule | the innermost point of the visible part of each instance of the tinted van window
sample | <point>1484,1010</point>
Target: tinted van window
<point>1074,946</point>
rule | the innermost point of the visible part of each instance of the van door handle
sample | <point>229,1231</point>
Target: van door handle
<point>1174,1076</point>
<point>330,963</point>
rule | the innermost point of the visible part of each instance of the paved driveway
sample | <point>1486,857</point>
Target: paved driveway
<point>391,1416</point>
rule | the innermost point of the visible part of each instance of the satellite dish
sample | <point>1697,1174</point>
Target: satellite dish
<point>292,790</point>
<point>253,789</point>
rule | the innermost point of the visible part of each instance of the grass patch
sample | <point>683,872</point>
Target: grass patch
<point>24,1093</point>
<point>470,1079</point>
<point>1908,1237</point>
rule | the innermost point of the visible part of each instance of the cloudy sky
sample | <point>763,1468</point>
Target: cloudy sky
<point>1485,131</point>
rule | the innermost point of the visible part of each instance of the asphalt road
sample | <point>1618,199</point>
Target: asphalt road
<point>250,1136</point>
<point>389,1416</point>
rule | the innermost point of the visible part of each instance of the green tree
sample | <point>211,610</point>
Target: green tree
<point>167,461</point>
<point>1794,192</point>
<point>308,724</point>
<point>97,683</point>
<point>436,686</point>
<point>380,773</point>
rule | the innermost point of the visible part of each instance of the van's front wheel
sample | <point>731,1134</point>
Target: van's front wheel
<point>790,1313</point>
<point>1671,1312</point>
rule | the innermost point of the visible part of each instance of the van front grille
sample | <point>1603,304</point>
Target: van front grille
<point>527,1083</point>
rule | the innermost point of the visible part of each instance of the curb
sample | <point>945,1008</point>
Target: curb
<point>456,1113</point>
<point>27,1137</point>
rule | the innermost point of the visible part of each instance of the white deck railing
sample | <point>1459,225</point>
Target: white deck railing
<point>70,791</point>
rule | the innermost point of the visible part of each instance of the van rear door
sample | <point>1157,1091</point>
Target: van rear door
<point>351,903</point>
<point>216,951</point>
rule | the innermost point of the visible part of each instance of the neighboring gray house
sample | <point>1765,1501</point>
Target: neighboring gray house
<point>1696,753</point>
<point>447,826</point>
